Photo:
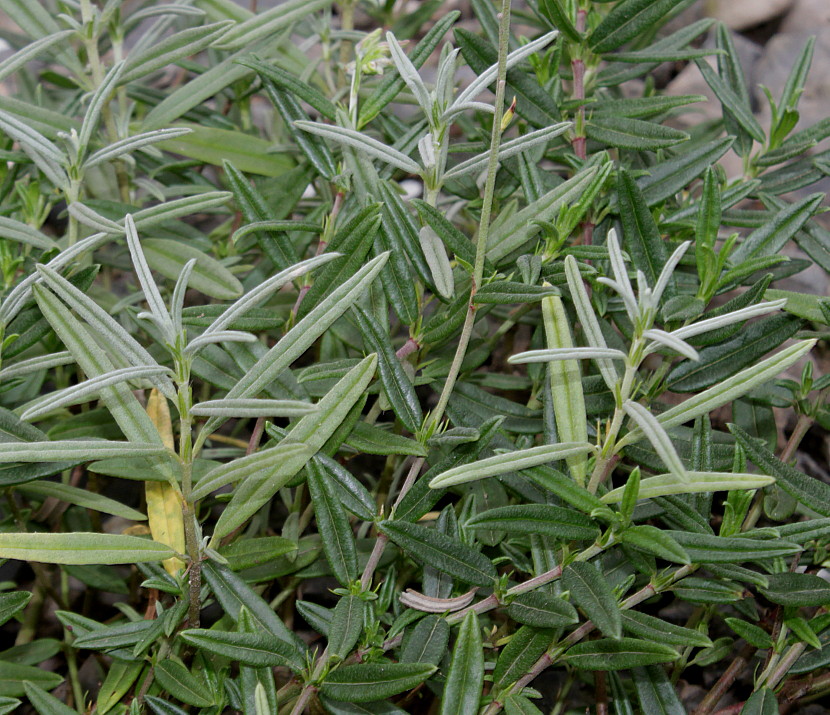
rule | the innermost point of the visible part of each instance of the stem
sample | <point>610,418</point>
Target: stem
<point>486,212</point>
<point>302,701</point>
<point>720,688</point>
<point>578,67</point>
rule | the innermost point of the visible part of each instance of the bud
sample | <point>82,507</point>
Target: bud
<point>507,117</point>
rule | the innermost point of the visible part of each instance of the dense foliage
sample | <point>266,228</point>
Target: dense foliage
<point>279,431</point>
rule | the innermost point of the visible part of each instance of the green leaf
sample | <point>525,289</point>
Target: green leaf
<point>627,20</point>
<point>296,341</point>
<point>171,49</point>
<point>507,463</point>
<point>427,641</point>
<point>246,553</point>
<point>668,177</point>
<point>719,362</point>
<point>333,525</point>
<point>752,634</point>
<point>234,594</point>
<point>541,610</point>
<point>20,58</point>
<point>640,233</point>
<point>566,386</point>
<point>214,146</point>
<point>462,690</point>
<point>210,277</point>
<point>609,654</point>
<point>440,551</point>
<point>42,701</point>
<point>811,492</point>
<point>655,692</point>
<point>119,680</point>
<point>657,630</point>
<point>698,482</point>
<point>313,431</point>
<point>732,104</point>
<point>285,80</point>
<point>82,548</point>
<point>260,650</point>
<point>163,707</point>
<point>346,625</point>
<point>710,549</point>
<point>266,23</point>
<point>797,589</point>
<point>315,150</point>
<point>181,683</point>
<point>271,463</point>
<point>12,603</point>
<point>515,232</point>
<point>655,541</point>
<point>525,647</point>
<point>629,133</point>
<point>393,83</point>
<point>367,682</point>
<point>82,497</point>
<point>770,238</point>
<point>729,389</point>
<point>397,385</point>
<point>85,450</point>
<point>592,593</point>
<point>23,233</point>
<point>761,702</point>
<point>554,12</point>
<point>544,519</point>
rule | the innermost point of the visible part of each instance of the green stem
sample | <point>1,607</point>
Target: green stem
<point>486,212</point>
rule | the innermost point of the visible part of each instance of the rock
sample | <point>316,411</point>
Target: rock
<point>807,17</point>
<point>743,14</point>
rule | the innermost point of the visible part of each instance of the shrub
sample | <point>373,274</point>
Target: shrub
<point>275,434</point>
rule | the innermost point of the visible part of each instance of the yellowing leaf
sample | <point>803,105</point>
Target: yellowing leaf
<point>164,506</point>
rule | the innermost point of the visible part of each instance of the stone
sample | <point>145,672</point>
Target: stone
<point>743,14</point>
<point>807,17</point>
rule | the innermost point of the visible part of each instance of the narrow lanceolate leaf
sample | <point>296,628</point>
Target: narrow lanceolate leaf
<point>164,502</point>
<point>656,692</point>
<point>333,524</point>
<point>366,682</point>
<point>525,647</point>
<point>82,548</point>
<point>133,143</point>
<point>696,482</point>
<point>436,257</point>
<point>718,362</point>
<point>21,57</point>
<point>397,385</point>
<point>656,434</point>
<point>536,519</point>
<point>566,386</point>
<point>253,408</point>
<point>285,80</point>
<point>86,450</point>
<point>710,549</point>
<point>811,492</point>
<point>465,677</point>
<point>761,702</point>
<point>270,463</point>
<point>171,49</point>
<point>441,552</point>
<point>363,143</point>
<point>730,389</point>
<point>621,654</point>
<point>260,650</point>
<point>655,629</point>
<point>427,642</point>
<point>266,23</point>
<point>82,497</point>
<point>12,603</point>
<point>393,84</point>
<point>43,702</point>
<point>770,238</point>
<point>630,133</point>
<point>112,332</point>
<point>626,21</point>
<point>312,431</point>
<point>592,593</point>
<point>302,335</point>
<point>655,541</point>
<point>588,320</point>
<point>346,625</point>
<point>541,610</point>
<point>640,233</point>
<point>731,102</point>
<point>508,462</point>
<point>182,684</point>
<point>23,233</point>
<point>520,228</point>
